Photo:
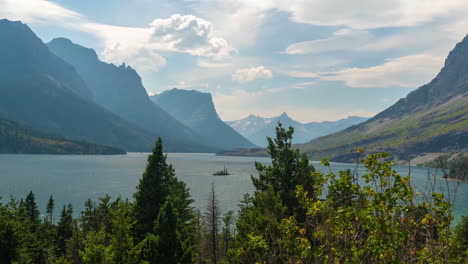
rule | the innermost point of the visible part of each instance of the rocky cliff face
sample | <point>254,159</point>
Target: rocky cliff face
<point>23,54</point>
<point>196,110</point>
<point>120,90</point>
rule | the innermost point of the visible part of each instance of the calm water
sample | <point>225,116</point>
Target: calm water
<point>73,179</point>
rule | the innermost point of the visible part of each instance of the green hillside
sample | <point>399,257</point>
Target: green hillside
<point>17,138</point>
<point>431,119</point>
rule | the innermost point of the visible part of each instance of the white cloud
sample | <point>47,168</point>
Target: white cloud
<point>343,39</point>
<point>37,11</point>
<point>188,34</point>
<point>409,71</point>
<point>210,64</point>
<point>360,14</point>
<point>138,47</point>
<point>142,59</point>
<point>251,74</point>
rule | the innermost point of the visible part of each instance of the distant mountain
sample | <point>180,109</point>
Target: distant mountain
<point>257,129</point>
<point>16,138</point>
<point>197,111</point>
<point>120,90</point>
<point>431,119</point>
<point>41,90</point>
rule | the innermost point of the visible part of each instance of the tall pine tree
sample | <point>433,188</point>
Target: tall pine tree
<point>152,191</point>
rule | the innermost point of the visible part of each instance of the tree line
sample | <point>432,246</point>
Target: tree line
<point>296,214</point>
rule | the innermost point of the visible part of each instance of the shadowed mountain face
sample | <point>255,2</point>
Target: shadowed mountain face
<point>24,54</point>
<point>432,118</point>
<point>41,90</point>
<point>17,138</point>
<point>256,128</point>
<point>197,111</point>
<point>120,90</point>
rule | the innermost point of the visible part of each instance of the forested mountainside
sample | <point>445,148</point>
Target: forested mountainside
<point>17,138</point>
<point>431,119</point>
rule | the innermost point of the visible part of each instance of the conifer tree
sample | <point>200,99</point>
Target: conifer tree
<point>121,249</point>
<point>288,169</point>
<point>65,228</point>
<point>50,210</point>
<point>173,244</point>
<point>32,211</point>
<point>212,215</point>
<point>152,191</point>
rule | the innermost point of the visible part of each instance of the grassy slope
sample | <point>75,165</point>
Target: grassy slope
<point>410,134</point>
<point>16,138</point>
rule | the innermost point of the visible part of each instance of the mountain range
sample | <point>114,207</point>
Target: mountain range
<point>40,90</point>
<point>257,129</point>
<point>119,89</point>
<point>197,111</point>
<point>64,89</point>
<point>431,119</point>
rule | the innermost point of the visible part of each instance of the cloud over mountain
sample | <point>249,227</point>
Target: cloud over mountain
<point>251,74</point>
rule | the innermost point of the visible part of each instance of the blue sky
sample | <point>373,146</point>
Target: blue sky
<point>316,60</point>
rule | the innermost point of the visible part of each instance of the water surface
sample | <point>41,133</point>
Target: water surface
<point>75,178</point>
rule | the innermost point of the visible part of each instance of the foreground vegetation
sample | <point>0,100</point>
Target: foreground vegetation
<point>295,215</point>
<point>455,167</point>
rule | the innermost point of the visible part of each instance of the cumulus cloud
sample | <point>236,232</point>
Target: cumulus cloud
<point>408,71</point>
<point>137,46</point>
<point>188,34</point>
<point>251,74</point>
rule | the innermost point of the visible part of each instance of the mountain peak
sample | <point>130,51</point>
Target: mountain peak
<point>64,45</point>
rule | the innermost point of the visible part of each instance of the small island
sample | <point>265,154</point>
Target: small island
<point>223,172</point>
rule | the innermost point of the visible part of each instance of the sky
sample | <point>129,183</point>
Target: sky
<point>316,60</point>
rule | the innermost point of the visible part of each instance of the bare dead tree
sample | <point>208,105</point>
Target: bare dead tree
<point>212,216</point>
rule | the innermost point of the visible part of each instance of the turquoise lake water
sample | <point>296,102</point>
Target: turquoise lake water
<point>74,178</point>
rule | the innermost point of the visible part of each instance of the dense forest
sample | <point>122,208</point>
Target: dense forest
<point>18,138</point>
<point>295,215</point>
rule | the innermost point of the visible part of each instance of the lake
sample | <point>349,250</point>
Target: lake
<point>74,178</point>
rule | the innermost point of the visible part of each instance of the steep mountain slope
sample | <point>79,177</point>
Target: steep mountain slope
<point>433,118</point>
<point>120,90</point>
<point>256,128</point>
<point>17,138</point>
<point>39,89</point>
<point>197,111</point>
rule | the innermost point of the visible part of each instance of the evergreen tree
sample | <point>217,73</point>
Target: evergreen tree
<point>152,191</point>
<point>288,169</point>
<point>95,249</point>
<point>32,211</point>
<point>121,249</point>
<point>173,245</point>
<point>64,228</point>
<point>50,210</point>
<point>212,216</point>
